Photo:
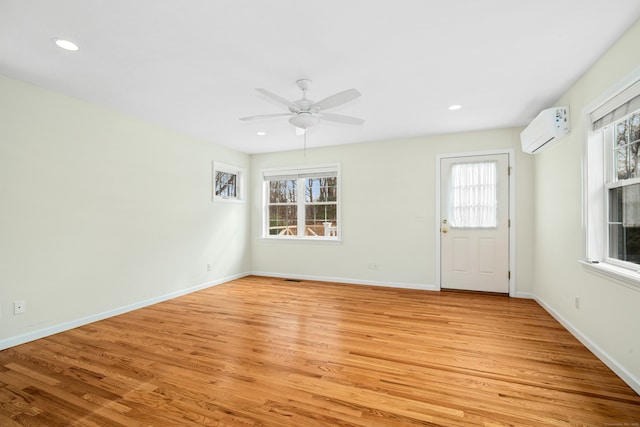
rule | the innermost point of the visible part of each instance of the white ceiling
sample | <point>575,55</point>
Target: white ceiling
<point>192,65</point>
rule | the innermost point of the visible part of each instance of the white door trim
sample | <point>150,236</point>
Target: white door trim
<point>512,198</point>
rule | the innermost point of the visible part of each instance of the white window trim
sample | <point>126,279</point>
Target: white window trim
<point>594,209</point>
<point>323,167</point>
<point>240,182</point>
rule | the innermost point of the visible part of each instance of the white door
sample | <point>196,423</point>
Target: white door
<point>474,223</point>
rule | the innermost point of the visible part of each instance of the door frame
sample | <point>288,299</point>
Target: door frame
<point>512,217</point>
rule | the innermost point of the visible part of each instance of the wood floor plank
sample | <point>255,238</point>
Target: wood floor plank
<point>268,352</point>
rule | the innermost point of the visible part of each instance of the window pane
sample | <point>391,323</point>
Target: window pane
<point>622,163</point>
<point>321,189</point>
<point>624,223</point>
<point>633,160</point>
<point>634,127</point>
<point>283,220</point>
<point>624,243</point>
<point>283,191</point>
<point>473,195</point>
<point>321,220</point>
<point>621,134</point>
<point>226,184</point>
<point>615,205</point>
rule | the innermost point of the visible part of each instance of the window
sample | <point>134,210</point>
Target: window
<point>302,203</point>
<point>622,139</point>
<point>228,183</point>
<point>612,177</point>
<point>474,200</point>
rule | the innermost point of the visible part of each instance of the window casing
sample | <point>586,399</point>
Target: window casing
<point>228,183</point>
<point>302,203</point>
<point>612,185</point>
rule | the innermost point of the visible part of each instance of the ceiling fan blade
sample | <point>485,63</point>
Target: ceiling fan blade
<point>264,116</point>
<point>281,100</point>
<point>340,118</point>
<point>335,100</point>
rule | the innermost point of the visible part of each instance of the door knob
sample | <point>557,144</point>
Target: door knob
<point>444,230</point>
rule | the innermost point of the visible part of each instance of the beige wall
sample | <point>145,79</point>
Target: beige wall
<point>386,186</point>
<point>609,315</point>
<point>100,212</point>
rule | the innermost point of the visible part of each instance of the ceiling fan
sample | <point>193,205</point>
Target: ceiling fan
<point>305,113</point>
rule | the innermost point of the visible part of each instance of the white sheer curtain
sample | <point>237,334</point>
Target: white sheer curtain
<point>473,196</point>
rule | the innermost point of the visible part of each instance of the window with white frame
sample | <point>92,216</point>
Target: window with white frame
<point>302,203</point>
<point>612,177</point>
<point>228,183</point>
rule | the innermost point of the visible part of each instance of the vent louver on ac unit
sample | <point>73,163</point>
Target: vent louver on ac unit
<point>550,126</point>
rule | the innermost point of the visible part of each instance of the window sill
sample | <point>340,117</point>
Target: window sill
<point>321,240</point>
<point>622,276</point>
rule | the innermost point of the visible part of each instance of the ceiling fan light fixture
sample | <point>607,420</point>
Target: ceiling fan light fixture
<point>303,120</point>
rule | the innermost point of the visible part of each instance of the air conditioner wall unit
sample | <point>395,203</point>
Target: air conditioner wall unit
<point>549,127</point>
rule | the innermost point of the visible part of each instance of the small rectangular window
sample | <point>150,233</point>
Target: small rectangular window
<point>228,183</point>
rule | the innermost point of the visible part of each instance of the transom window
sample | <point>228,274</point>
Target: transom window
<point>302,203</point>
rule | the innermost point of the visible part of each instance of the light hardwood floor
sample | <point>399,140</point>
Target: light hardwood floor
<point>269,352</point>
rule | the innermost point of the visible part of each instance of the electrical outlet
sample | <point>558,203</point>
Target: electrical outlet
<point>209,267</point>
<point>373,266</point>
<point>577,303</point>
<point>19,307</point>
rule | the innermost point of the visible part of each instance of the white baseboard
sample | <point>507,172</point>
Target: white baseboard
<point>41,333</point>
<point>616,367</point>
<point>419,286</point>
<point>621,371</point>
<point>525,295</point>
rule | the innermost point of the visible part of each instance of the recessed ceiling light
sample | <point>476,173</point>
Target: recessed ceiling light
<point>455,107</point>
<point>261,133</point>
<point>66,44</point>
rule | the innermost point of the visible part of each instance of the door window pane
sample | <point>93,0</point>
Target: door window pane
<point>473,195</point>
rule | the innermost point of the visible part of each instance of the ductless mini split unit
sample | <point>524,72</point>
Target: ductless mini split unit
<point>549,127</point>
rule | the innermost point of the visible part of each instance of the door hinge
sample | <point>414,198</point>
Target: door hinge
<point>509,275</point>
<point>509,171</point>
<point>509,223</point>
